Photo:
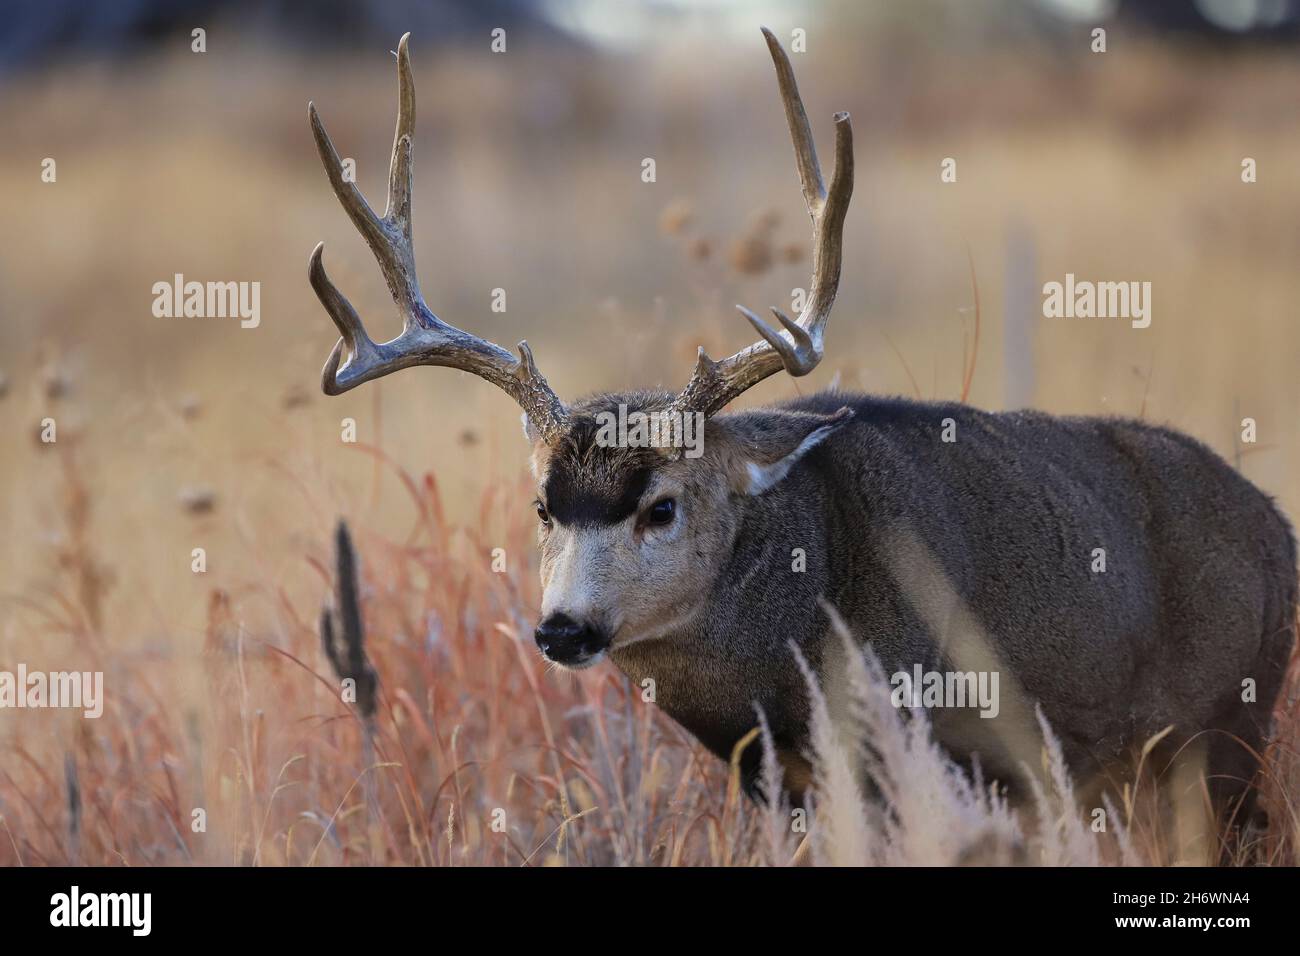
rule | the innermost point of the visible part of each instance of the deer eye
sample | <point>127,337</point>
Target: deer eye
<point>661,512</point>
<point>542,514</point>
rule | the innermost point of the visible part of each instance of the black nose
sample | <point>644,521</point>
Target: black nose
<point>565,641</point>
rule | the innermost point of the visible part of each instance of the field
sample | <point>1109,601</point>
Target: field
<point>176,434</point>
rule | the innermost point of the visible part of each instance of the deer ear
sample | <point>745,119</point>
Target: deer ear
<point>765,445</point>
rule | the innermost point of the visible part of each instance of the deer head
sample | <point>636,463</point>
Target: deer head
<point>629,533</point>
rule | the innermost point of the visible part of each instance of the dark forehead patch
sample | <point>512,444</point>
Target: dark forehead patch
<point>587,483</point>
<point>593,495</point>
<point>592,483</point>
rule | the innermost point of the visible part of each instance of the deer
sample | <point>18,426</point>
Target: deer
<point>938,535</point>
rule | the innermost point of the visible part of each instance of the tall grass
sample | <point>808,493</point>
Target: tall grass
<point>479,754</point>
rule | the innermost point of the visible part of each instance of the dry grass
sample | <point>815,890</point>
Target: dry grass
<point>479,755</point>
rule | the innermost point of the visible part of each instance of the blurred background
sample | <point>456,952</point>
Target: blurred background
<point>178,433</point>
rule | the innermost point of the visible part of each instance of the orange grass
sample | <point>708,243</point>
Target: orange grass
<point>482,755</point>
<point>472,730</point>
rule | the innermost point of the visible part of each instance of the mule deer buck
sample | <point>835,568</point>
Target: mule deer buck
<point>975,554</point>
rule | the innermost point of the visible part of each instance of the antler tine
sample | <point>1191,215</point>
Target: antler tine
<point>389,237</point>
<point>425,338</point>
<point>345,317</point>
<point>798,349</point>
<point>796,117</point>
<point>354,204</point>
<point>399,170</point>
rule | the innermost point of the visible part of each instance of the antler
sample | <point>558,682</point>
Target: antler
<point>425,339</point>
<point>798,348</point>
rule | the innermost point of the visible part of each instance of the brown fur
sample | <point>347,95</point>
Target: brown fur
<point>973,555</point>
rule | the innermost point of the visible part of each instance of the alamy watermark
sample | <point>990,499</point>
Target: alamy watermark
<point>657,429</point>
<point>77,690</point>
<point>931,689</point>
<point>209,300</point>
<point>75,908</point>
<point>1098,300</point>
